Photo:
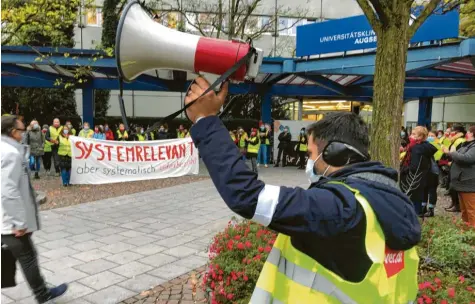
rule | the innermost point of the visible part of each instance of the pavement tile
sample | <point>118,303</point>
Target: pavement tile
<point>83,237</point>
<point>75,291</point>
<point>91,255</point>
<point>131,269</point>
<point>111,295</point>
<point>192,261</point>
<point>124,257</point>
<point>58,253</point>
<point>141,282</point>
<point>180,251</point>
<point>132,233</point>
<point>117,247</point>
<point>176,241</point>
<point>61,263</point>
<point>96,266</point>
<point>170,271</point>
<point>111,239</point>
<point>158,259</point>
<point>87,245</point>
<point>141,240</point>
<point>66,275</point>
<point>108,231</point>
<point>55,235</point>
<point>102,280</point>
<point>149,249</point>
<point>21,291</point>
<point>148,220</point>
<point>57,243</point>
<point>131,225</point>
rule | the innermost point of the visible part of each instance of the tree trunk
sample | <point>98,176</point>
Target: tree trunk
<point>389,77</point>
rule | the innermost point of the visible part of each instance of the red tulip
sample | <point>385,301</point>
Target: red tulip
<point>451,292</point>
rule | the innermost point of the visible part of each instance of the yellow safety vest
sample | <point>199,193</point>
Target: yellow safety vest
<point>233,137</point>
<point>267,142</point>
<point>152,136</point>
<point>254,148</point>
<point>73,132</point>
<point>120,136</point>
<point>64,147</point>
<point>54,133</point>
<point>141,137</point>
<point>439,153</point>
<point>83,133</point>
<point>445,141</point>
<point>402,155</point>
<point>242,140</point>
<point>302,147</point>
<point>48,146</point>
<point>456,143</point>
<point>181,135</point>
<point>291,276</point>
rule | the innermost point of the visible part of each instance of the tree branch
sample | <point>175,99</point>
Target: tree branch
<point>381,9</point>
<point>422,17</point>
<point>370,15</point>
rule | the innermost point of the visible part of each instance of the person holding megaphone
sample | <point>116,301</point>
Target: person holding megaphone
<point>349,238</point>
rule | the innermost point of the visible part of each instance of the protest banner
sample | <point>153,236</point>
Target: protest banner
<point>103,162</point>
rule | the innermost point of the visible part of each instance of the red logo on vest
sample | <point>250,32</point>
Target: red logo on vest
<point>393,261</point>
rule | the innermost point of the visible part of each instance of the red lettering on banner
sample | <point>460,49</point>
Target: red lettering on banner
<point>98,148</point>
<point>145,153</point>
<point>174,152</point>
<point>393,261</point>
<point>191,147</point>
<point>153,153</point>
<point>128,151</point>
<point>160,152</point>
<point>109,153</point>
<point>138,153</point>
<point>182,150</point>
<point>169,149</point>
<point>119,153</point>
<point>78,146</point>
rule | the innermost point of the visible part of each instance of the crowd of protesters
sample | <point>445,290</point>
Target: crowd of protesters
<point>445,159</point>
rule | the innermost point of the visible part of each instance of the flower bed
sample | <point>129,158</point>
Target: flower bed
<point>447,253</point>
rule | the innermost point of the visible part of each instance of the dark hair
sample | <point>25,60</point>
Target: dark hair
<point>345,127</point>
<point>471,129</point>
<point>8,124</point>
<point>459,129</point>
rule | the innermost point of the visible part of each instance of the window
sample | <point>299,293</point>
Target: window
<point>283,25</point>
<point>94,16</point>
<point>293,23</point>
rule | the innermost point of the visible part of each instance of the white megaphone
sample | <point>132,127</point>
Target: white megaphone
<point>143,44</point>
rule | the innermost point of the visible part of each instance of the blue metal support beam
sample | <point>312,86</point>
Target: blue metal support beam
<point>424,117</point>
<point>33,73</point>
<point>88,105</point>
<point>327,84</point>
<point>266,108</point>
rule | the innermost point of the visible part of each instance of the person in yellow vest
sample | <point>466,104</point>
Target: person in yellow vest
<point>140,135</point>
<point>242,139</point>
<point>233,137</point>
<point>186,133</point>
<point>47,150</point>
<point>52,136</point>
<point>86,131</point>
<point>264,139</point>
<point>457,138</point>
<point>302,148</point>
<point>64,152</point>
<point>253,144</point>
<point>72,131</point>
<point>122,134</point>
<point>445,140</point>
<point>349,238</point>
<point>180,132</point>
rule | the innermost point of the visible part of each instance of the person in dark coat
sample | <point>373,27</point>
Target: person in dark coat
<point>162,133</point>
<point>284,142</point>
<point>462,173</point>
<point>36,140</point>
<point>416,167</point>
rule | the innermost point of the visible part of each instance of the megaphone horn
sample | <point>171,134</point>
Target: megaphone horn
<point>143,44</point>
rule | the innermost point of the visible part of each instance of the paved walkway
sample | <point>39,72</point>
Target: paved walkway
<point>113,249</point>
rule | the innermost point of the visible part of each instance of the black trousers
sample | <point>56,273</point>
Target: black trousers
<point>23,250</point>
<point>302,159</point>
<point>430,193</point>
<point>47,160</point>
<point>56,159</point>
<point>279,155</point>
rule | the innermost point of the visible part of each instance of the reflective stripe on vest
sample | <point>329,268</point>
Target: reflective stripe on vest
<point>456,143</point>
<point>54,133</point>
<point>254,148</point>
<point>64,147</point>
<point>291,276</point>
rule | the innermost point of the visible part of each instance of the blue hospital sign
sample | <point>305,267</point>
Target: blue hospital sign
<point>355,33</point>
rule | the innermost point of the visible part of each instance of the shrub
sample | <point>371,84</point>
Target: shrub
<point>447,245</point>
<point>236,258</point>
<point>447,253</point>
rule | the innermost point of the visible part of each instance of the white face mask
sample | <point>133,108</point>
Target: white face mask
<point>310,170</point>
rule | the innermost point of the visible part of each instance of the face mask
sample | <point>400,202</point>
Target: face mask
<point>286,130</point>
<point>44,131</point>
<point>161,130</point>
<point>66,132</point>
<point>310,170</point>
<point>253,134</point>
<point>69,126</point>
<point>302,132</point>
<point>86,128</point>
<point>36,126</point>
<point>262,128</point>
<point>96,130</point>
<point>121,129</point>
<point>430,139</point>
<point>439,136</point>
<point>402,134</point>
<point>107,128</point>
<point>141,131</point>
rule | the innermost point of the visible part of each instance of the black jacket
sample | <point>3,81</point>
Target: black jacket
<point>325,221</point>
<point>284,140</point>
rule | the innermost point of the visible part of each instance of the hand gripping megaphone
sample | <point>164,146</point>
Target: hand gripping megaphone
<point>143,44</point>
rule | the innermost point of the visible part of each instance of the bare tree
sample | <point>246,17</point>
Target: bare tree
<point>230,19</point>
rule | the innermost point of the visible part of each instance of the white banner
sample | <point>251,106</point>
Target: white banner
<point>103,162</point>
